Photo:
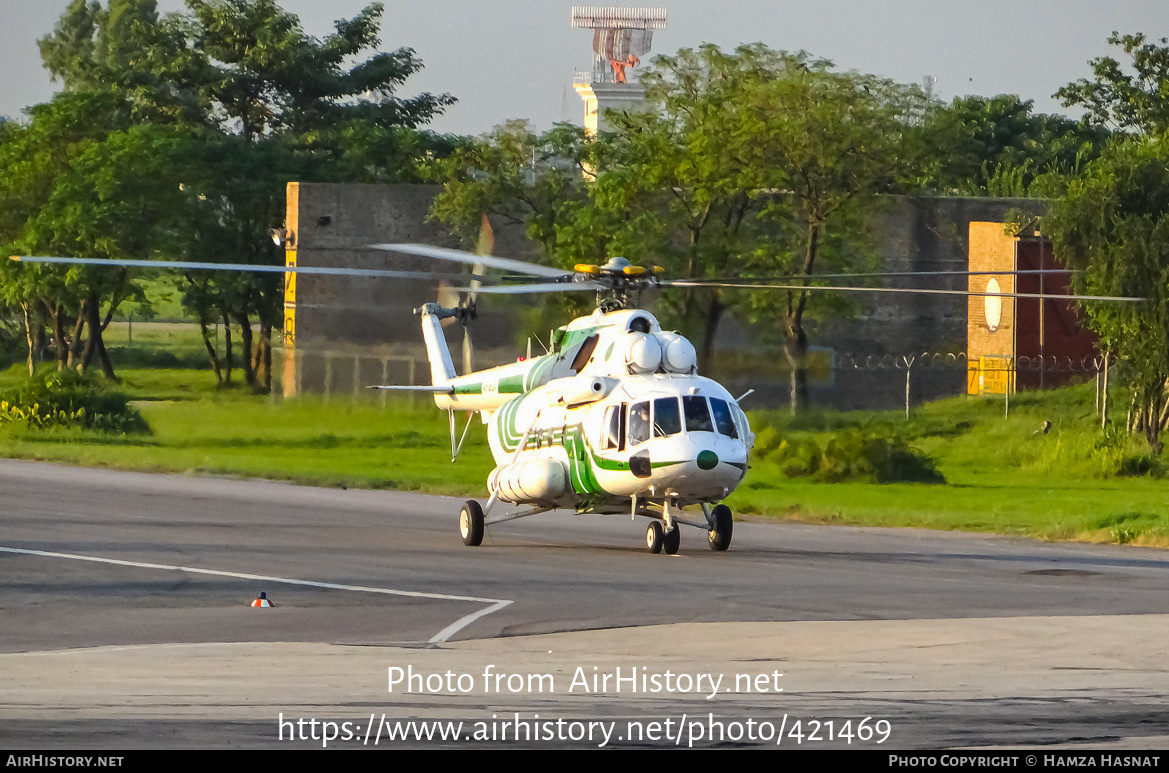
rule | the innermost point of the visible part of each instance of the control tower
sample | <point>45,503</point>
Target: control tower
<point>621,37</point>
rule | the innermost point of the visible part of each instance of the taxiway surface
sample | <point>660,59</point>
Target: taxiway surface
<point>126,622</point>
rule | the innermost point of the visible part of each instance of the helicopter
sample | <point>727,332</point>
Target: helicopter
<point>614,419</point>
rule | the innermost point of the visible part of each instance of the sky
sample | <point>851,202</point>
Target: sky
<point>508,59</point>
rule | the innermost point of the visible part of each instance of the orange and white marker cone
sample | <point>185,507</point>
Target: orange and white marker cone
<point>262,601</point>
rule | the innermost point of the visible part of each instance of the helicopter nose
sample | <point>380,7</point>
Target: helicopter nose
<point>707,460</point>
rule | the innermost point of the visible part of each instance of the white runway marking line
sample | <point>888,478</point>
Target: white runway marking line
<point>439,638</point>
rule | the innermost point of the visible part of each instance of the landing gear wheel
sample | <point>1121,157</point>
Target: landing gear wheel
<point>720,535</point>
<point>654,537</point>
<point>471,523</point>
<point>672,539</point>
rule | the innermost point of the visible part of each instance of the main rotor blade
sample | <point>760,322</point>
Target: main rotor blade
<point>542,287</point>
<point>470,258</point>
<point>881,274</point>
<point>257,268</point>
<point>907,290</point>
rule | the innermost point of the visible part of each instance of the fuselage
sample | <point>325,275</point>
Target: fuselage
<point>616,410</point>
<point>657,437</point>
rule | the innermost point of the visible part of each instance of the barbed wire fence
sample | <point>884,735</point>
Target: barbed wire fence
<point>1004,370</point>
<point>334,373</point>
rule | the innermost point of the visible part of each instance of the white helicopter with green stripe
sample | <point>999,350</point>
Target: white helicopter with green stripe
<point>613,419</point>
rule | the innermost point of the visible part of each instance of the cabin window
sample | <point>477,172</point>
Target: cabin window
<point>722,417</point>
<point>638,423</point>
<point>614,428</point>
<point>697,414</point>
<point>667,420</point>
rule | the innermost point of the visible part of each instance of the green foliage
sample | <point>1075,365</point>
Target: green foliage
<point>1112,227</point>
<point>1133,103</point>
<point>81,179</point>
<point>1127,527</point>
<point>752,161</point>
<point>514,176</point>
<point>827,143</point>
<point>175,136</point>
<point>996,146</point>
<point>875,453</point>
<point>767,440</point>
<point>242,66</point>
<point>69,399</point>
<point>1115,456</point>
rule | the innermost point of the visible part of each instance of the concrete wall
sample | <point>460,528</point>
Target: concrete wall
<point>912,234</point>
<point>375,316</point>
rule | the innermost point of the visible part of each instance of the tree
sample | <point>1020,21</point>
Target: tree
<point>1112,227</point>
<point>752,161</point>
<point>128,50</point>
<point>975,144</point>
<point>675,185</point>
<point>267,103</point>
<point>1131,103</point>
<point>514,176</point>
<point>291,99</point>
<point>104,196</point>
<point>631,192</point>
<point>264,75</point>
<point>757,161</point>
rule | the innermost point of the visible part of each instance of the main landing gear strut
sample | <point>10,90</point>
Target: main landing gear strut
<point>473,519</point>
<point>662,534</point>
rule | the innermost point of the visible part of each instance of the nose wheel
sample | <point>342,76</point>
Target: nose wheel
<point>658,539</point>
<point>653,537</point>
<point>672,539</point>
<point>721,527</point>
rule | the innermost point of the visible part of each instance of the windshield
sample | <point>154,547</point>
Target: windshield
<point>669,416</point>
<point>722,417</point>
<point>697,414</point>
<point>667,420</point>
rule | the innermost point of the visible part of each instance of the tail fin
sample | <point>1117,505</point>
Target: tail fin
<point>442,368</point>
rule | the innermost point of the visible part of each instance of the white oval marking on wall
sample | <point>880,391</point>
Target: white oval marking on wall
<point>993,305</point>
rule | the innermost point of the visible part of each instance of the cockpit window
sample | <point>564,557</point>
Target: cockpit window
<point>667,420</point>
<point>697,414</point>
<point>741,421</point>
<point>722,418</point>
<point>638,423</point>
